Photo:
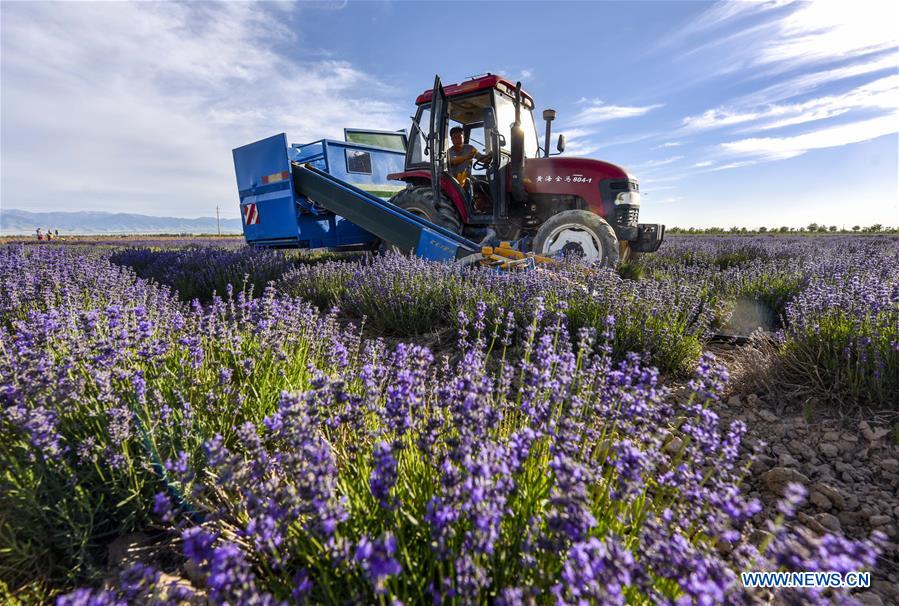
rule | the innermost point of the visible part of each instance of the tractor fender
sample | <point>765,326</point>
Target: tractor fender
<point>447,184</point>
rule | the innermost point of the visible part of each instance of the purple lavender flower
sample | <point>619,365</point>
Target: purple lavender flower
<point>383,474</point>
<point>376,559</point>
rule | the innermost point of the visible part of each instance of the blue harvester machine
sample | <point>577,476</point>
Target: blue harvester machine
<point>324,195</point>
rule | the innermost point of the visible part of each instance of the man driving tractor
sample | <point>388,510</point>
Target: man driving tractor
<point>460,156</point>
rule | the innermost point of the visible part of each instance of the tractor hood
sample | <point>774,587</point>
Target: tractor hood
<point>576,176</point>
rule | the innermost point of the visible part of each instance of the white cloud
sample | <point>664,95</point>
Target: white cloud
<point>578,142</point>
<point>716,118</point>
<point>600,112</point>
<point>832,30</point>
<point>882,94</point>
<point>667,144</point>
<point>730,165</point>
<point>808,82</point>
<point>703,164</point>
<point>776,148</point>
<point>718,15</point>
<point>137,105</point>
<point>657,163</point>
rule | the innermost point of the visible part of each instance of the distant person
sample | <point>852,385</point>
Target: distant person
<point>56,233</point>
<point>49,234</point>
<point>40,235</point>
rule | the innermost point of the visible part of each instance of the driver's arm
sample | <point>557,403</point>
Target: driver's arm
<point>456,160</point>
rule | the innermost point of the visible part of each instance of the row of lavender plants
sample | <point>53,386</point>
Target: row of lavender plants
<point>664,321</point>
<point>834,303</point>
<point>671,304</point>
<point>289,461</point>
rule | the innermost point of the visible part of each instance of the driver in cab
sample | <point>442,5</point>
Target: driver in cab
<point>461,155</point>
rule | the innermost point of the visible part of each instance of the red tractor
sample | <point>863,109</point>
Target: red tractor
<point>550,205</point>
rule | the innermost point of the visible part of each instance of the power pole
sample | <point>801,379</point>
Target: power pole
<point>217,222</point>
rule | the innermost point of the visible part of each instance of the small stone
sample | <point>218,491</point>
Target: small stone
<point>849,437</point>
<point>780,449</point>
<point>848,519</point>
<point>847,447</point>
<point>820,501</point>
<point>734,401</point>
<point>832,494</point>
<point>767,415</point>
<point>776,479</point>
<point>674,446</point>
<point>723,547</point>
<point>869,598</point>
<point>831,436</point>
<point>800,449</point>
<point>786,460</point>
<point>829,521</point>
<point>879,520</point>
<point>829,450</point>
<point>824,471</point>
<point>762,463</point>
<point>872,434</point>
<point>811,523</point>
<point>890,465</point>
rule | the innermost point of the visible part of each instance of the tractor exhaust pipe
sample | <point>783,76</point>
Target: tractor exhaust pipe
<point>549,115</point>
<point>516,161</point>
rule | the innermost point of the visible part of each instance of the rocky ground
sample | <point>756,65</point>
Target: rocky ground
<point>847,461</point>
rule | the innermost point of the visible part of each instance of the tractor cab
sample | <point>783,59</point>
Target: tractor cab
<point>485,109</point>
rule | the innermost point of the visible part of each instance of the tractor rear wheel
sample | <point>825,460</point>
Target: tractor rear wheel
<point>420,201</point>
<point>578,232</point>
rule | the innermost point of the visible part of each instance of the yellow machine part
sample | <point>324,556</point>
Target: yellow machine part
<point>507,258</point>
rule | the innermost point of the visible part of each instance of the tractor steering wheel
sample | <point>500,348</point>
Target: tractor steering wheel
<point>482,164</point>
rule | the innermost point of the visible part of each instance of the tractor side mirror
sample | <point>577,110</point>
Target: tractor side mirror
<point>561,144</point>
<point>489,118</point>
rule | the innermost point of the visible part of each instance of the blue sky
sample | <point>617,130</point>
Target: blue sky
<point>738,113</point>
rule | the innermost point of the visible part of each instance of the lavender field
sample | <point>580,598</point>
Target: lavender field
<point>215,424</point>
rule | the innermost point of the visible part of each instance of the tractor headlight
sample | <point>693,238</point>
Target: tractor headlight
<point>628,197</point>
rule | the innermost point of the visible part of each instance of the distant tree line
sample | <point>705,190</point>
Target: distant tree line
<point>811,228</point>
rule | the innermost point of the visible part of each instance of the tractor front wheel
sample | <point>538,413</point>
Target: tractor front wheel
<point>578,232</point>
<point>420,201</point>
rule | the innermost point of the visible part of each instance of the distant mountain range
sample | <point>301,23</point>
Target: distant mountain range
<point>17,222</point>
